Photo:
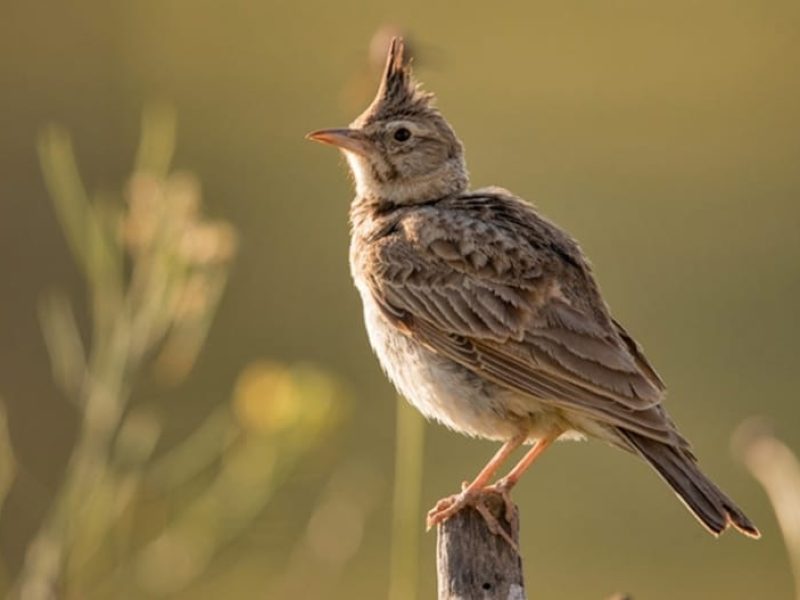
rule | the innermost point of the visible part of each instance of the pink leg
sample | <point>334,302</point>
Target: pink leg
<point>495,463</point>
<point>504,485</point>
<point>446,507</point>
<point>526,461</point>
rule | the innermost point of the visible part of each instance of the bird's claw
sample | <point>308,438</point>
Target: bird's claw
<point>503,488</point>
<point>447,507</point>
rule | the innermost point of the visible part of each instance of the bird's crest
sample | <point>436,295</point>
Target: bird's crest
<point>399,94</point>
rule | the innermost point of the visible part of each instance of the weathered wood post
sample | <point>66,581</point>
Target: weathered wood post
<point>475,564</point>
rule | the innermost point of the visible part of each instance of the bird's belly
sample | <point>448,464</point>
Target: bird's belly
<point>443,390</point>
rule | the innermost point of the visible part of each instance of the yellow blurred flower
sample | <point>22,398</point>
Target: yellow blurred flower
<point>182,197</point>
<point>208,242</point>
<point>271,398</point>
<point>266,398</point>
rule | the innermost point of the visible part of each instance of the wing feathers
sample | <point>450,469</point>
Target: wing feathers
<point>510,297</point>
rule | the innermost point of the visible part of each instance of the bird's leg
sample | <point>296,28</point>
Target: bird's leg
<point>503,486</point>
<point>447,507</point>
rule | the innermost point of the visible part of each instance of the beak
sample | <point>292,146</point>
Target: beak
<point>346,139</point>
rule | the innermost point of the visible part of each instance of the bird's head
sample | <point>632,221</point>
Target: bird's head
<point>401,150</point>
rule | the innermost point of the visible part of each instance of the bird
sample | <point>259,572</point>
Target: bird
<point>487,316</point>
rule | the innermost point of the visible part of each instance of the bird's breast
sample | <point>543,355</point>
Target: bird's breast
<point>442,389</point>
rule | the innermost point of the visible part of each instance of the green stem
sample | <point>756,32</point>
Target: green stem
<point>409,445</point>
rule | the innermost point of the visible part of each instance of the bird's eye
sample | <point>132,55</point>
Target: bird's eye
<point>402,134</point>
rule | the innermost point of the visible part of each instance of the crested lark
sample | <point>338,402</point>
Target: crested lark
<point>486,316</point>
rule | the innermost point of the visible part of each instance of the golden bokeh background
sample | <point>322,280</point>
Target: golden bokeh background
<point>664,136</point>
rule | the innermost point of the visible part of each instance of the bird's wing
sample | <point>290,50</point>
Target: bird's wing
<point>496,288</point>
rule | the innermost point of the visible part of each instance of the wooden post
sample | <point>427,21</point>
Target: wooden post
<point>475,564</point>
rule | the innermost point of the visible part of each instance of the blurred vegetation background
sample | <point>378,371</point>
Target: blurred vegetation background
<point>664,136</point>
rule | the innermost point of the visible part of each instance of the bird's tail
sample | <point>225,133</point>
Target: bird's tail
<point>702,497</point>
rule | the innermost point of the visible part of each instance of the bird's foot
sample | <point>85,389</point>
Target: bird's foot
<point>447,507</point>
<point>503,488</point>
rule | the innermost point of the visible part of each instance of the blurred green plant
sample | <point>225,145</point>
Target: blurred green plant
<point>155,269</point>
<point>8,465</point>
<point>406,517</point>
<point>773,464</point>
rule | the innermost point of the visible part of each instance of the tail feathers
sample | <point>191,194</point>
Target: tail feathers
<point>702,497</point>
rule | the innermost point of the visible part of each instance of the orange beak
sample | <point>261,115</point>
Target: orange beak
<point>346,139</point>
